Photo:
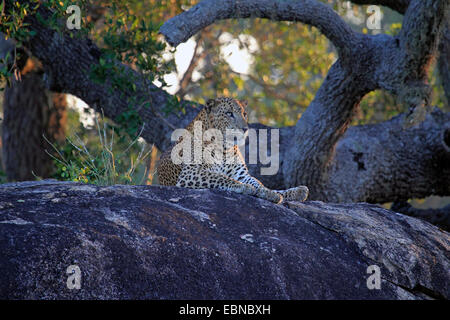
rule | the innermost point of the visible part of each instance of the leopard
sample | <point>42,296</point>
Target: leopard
<point>230,171</point>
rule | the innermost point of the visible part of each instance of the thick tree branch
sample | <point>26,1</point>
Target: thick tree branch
<point>379,163</point>
<point>385,162</point>
<point>444,44</point>
<point>444,61</point>
<point>401,62</point>
<point>321,126</point>
<point>379,61</point>
<point>181,27</point>
<point>423,24</point>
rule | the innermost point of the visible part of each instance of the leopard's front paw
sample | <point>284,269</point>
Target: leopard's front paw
<point>296,194</point>
<point>302,193</point>
<point>271,196</point>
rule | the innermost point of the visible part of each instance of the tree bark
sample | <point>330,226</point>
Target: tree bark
<point>310,151</point>
<point>444,45</point>
<point>32,115</point>
<point>444,62</point>
<point>381,162</point>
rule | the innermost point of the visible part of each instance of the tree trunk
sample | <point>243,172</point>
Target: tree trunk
<point>444,62</point>
<point>31,115</point>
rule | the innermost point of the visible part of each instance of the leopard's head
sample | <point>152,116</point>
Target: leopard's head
<point>227,113</point>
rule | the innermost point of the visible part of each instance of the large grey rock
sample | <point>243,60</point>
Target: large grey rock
<point>142,242</point>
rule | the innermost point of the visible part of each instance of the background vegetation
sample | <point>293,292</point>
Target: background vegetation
<point>286,65</point>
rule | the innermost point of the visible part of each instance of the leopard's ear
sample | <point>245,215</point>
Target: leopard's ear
<point>210,104</point>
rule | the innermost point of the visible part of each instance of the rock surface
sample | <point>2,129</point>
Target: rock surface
<point>151,242</point>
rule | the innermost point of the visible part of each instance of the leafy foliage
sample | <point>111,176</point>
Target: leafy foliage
<point>103,162</point>
<point>126,33</point>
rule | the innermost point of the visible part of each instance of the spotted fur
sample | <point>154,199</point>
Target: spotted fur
<point>222,113</point>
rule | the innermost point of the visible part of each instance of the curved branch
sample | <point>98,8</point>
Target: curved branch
<point>181,27</point>
<point>320,127</point>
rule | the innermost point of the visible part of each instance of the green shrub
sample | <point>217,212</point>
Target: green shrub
<point>75,161</point>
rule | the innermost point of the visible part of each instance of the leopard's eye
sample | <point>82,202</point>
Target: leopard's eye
<point>230,114</point>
